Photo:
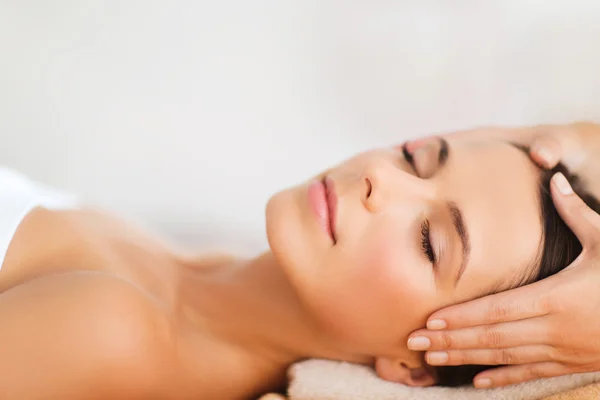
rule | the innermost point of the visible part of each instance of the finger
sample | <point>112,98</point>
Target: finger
<point>272,396</point>
<point>531,331</point>
<point>546,151</point>
<point>582,220</point>
<point>504,376</point>
<point>513,355</point>
<point>515,304</point>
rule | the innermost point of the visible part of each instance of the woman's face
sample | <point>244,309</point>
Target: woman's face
<point>460,221</point>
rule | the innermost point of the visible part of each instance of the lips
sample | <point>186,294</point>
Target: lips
<point>331,205</point>
<point>323,201</point>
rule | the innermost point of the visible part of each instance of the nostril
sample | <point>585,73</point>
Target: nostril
<point>369,187</point>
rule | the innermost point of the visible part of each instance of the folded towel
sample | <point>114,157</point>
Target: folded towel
<point>331,380</point>
<point>587,392</point>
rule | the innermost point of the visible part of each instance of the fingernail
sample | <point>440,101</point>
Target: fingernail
<point>544,154</point>
<point>436,324</point>
<point>483,383</point>
<point>437,357</point>
<point>419,343</point>
<point>562,184</point>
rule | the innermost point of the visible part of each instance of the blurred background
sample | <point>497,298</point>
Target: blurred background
<point>187,115</point>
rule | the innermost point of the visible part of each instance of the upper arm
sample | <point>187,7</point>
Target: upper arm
<point>81,335</point>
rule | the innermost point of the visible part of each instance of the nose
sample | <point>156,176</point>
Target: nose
<point>385,183</point>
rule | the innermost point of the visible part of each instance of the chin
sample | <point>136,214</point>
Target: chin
<point>282,226</point>
<point>303,252</point>
<point>291,236</point>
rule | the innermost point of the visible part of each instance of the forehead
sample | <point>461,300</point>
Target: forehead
<point>497,188</point>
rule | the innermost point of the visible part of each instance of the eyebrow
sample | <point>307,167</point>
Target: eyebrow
<point>461,229</point>
<point>456,214</point>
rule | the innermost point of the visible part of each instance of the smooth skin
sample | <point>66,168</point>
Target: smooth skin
<point>574,145</point>
<point>92,299</point>
<point>545,329</point>
<point>98,309</point>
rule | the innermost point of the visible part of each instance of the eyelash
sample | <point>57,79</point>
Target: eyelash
<point>409,158</point>
<point>426,241</point>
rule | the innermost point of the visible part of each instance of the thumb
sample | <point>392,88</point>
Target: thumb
<point>583,221</point>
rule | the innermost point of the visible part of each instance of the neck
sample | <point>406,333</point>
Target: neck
<point>250,307</point>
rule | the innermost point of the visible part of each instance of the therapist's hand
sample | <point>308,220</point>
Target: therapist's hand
<point>272,396</point>
<point>548,328</point>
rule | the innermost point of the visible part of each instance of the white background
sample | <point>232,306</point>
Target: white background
<point>187,116</point>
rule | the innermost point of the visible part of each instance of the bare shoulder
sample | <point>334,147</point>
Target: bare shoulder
<point>84,333</point>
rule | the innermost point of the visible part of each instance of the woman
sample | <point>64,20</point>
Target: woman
<point>359,257</point>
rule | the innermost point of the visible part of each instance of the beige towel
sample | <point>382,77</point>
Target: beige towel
<point>331,380</point>
<point>587,392</point>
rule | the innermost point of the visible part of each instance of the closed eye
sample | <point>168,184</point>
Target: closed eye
<point>428,165</point>
<point>426,242</point>
<point>409,158</point>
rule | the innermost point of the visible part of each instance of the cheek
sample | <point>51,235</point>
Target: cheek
<point>388,262</point>
<point>382,291</point>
